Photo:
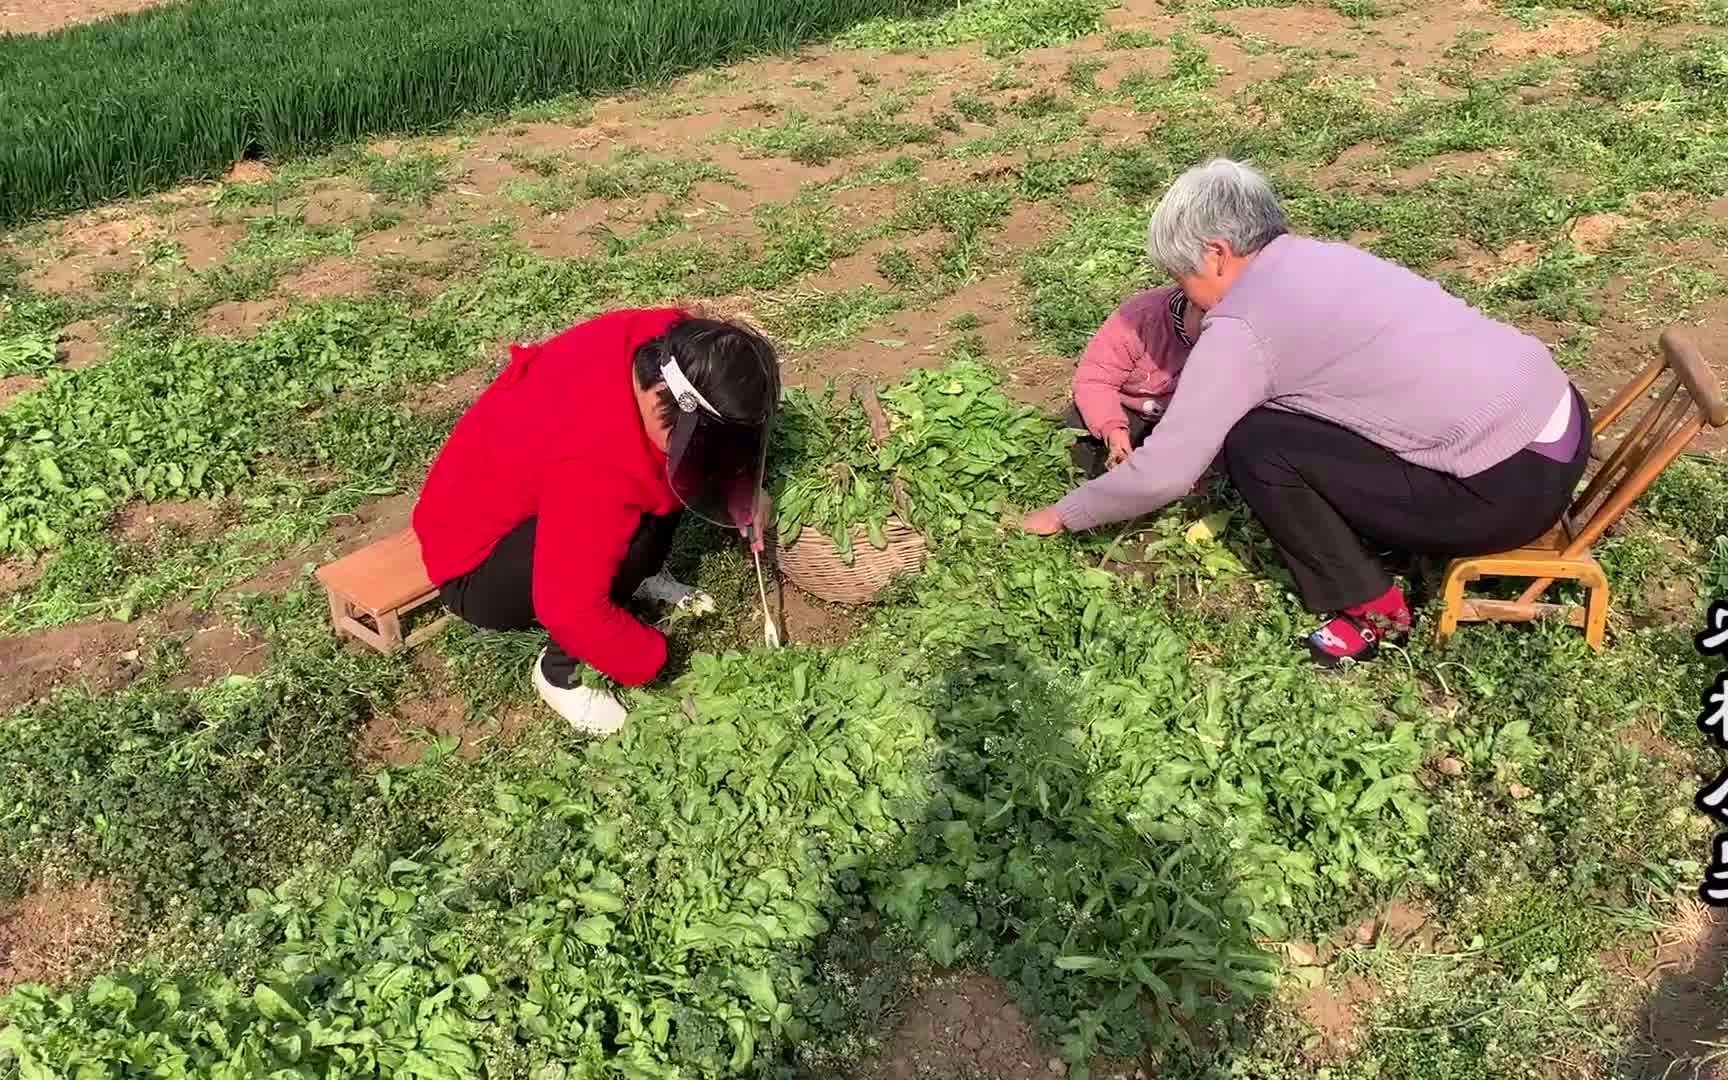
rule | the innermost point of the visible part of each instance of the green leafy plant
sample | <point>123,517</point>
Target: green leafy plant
<point>26,353</point>
<point>962,453</point>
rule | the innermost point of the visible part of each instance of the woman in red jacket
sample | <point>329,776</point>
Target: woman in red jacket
<point>557,495</point>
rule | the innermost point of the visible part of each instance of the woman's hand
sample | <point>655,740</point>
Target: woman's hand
<point>1119,446</point>
<point>755,529</point>
<point>1045,522</point>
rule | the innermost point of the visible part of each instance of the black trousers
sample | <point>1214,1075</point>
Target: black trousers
<point>1088,452</point>
<point>499,593</point>
<point>1324,494</point>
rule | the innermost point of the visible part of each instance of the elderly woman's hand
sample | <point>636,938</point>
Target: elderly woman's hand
<point>1045,522</point>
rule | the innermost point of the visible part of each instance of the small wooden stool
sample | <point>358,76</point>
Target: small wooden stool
<point>1688,401</point>
<point>371,590</point>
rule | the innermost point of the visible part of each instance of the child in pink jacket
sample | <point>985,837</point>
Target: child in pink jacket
<point>1128,374</point>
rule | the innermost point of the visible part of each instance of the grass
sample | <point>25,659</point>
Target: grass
<point>1004,26</point>
<point>556,186</point>
<point>187,90</point>
<point>811,319</point>
<point>404,178</point>
<point>1094,744</point>
<point>634,174</point>
<point>796,136</point>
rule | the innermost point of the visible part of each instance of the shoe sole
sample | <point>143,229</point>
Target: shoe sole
<point>542,686</point>
<point>1332,663</point>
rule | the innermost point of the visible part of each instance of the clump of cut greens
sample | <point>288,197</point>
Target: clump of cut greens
<point>963,451</point>
<point>968,453</point>
<point>823,472</point>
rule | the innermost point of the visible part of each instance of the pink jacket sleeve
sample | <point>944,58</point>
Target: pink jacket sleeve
<point>1108,362</point>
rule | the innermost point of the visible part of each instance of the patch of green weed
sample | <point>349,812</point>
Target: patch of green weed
<point>1129,39</point>
<point>407,177</point>
<point>1083,272</point>
<point>803,320</point>
<point>1005,26</point>
<point>796,136</point>
<point>635,173</point>
<point>899,267</point>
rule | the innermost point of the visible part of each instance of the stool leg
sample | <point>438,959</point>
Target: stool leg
<point>338,610</point>
<point>390,631</point>
<point>1596,615</point>
<point>1452,602</point>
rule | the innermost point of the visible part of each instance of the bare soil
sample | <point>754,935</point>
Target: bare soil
<point>1679,976</point>
<point>235,317</point>
<point>1568,35</point>
<point>41,16</point>
<point>403,735</point>
<point>107,655</point>
<point>966,1026</point>
<point>142,523</point>
<point>805,620</point>
<point>203,244</point>
<point>248,172</point>
<point>1401,923</point>
<point>1595,232</point>
<point>1653,744</point>
<point>82,344</point>
<point>217,652</point>
<point>13,387</point>
<point>455,392</point>
<point>336,205</point>
<point>17,575</point>
<point>56,935</point>
<point>328,277</point>
<point>919,338</point>
<point>101,655</point>
<point>1335,1014</point>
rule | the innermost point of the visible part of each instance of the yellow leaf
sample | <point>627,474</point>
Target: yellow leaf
<point>1207,528</point>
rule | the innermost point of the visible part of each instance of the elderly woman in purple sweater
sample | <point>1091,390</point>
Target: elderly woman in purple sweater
<point>1357,406</point>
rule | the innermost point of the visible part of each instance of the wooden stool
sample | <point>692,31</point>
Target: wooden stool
<point>1688,400</point>
<point>373,588</point>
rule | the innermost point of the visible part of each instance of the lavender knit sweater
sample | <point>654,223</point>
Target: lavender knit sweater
<point>1330,331</point>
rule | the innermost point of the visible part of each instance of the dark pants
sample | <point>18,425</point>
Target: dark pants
<point>499,593</point>
<point>1322,493</point>
<point>1089,453</point>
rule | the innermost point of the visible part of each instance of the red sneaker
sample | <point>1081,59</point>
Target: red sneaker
<point>1356,633</point>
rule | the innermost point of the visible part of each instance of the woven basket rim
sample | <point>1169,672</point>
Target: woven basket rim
<point>891,527</point>
<point>816,567</point>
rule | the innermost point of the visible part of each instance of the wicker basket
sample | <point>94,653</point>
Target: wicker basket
<point>814,563</point>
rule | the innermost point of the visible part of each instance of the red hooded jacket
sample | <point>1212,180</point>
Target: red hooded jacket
<point>559,436</point>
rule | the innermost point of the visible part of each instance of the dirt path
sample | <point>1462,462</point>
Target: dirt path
<point>40,16</point>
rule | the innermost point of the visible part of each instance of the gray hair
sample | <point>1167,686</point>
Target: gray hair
<point>1220,200</point>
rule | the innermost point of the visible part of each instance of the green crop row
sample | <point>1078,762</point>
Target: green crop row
<point>139,103</point>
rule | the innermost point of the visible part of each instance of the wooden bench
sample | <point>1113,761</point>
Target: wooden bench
<point>372,589</point>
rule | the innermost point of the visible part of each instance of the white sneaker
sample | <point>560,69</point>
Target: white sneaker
<point>590,711</point>
<point>665,589</point>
